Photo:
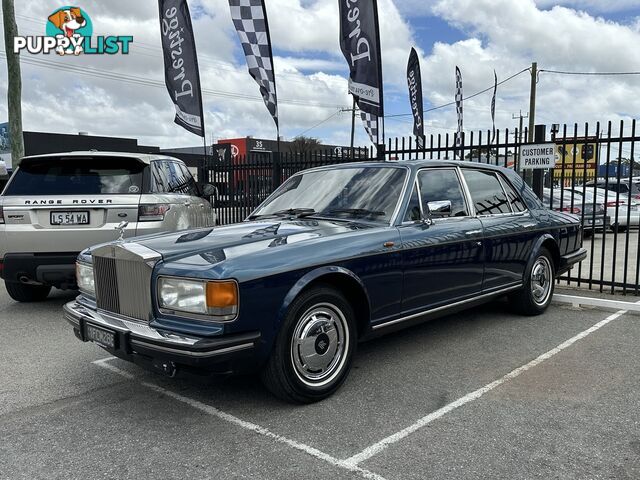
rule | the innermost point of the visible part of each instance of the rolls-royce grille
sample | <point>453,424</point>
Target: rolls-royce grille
<point>123,287</point>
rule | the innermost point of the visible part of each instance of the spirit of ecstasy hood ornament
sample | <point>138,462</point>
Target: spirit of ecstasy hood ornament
<point>121,226</point>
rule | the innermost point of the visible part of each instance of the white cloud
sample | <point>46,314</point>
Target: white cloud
<point>505,35</point>
<point>593,5</point>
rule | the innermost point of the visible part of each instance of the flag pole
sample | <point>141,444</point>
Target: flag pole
<point>353,121</point>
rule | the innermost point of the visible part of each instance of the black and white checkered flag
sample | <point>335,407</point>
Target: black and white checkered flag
<point>250,19</point>
<point>459,110</point>
<point>370,125</point>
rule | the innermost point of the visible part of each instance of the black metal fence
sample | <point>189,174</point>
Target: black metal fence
<point>596,178</point>
<point>243,182</point>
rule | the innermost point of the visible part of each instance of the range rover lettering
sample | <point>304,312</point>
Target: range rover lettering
<point>334,256</point>
<point>54,206</point>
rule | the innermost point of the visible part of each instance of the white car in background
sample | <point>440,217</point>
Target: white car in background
<point>622,213</point>
<point>56,205</point>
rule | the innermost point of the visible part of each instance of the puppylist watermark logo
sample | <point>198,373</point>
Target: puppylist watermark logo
<point>70,32</point>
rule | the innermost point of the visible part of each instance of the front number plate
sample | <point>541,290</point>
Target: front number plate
<point>69,218</point>
<point>100,336</point>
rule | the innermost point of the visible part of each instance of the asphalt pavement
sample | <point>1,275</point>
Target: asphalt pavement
<point>480,394</point>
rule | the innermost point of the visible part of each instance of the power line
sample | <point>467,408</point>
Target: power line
<point>136,80</point>
<point>319,123</point>
<point>561,72</point>
<point>465,98</point>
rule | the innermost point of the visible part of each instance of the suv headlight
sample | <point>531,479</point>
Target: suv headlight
<point>85,280</point>
<point>218,299</point>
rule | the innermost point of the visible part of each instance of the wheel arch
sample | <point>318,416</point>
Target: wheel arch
<point>547,241</point>
<point>343,280</point>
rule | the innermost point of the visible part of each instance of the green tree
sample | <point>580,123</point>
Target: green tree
<point>302,145</point>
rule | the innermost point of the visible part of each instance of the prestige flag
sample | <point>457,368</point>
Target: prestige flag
<point>493,106</point>
<point>414,81</point>
<point>360,45</point>
<point>181,73</point>
<point>459,110</point>
<point>250,19</point>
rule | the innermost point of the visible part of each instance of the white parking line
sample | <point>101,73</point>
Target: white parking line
<point>378,447</point>
<point>209,410</point>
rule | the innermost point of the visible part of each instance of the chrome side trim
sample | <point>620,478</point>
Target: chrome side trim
<point>446,307</point>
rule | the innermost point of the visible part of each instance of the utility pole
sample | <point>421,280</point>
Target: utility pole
<point>532,101</point>
<point>14,90</point>
<point>521,117</point>
<point>528,176</point>
<point>519,137</point>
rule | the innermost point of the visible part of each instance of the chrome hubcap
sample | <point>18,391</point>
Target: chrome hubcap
<point>541,280</point>
<point>319,344</point>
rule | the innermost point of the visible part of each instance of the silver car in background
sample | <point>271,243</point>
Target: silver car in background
<point>56,205</point>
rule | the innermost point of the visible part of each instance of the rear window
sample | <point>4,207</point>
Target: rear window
<point>77,176</point>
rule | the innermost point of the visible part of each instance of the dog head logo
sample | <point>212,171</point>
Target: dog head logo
<point>71,23</point>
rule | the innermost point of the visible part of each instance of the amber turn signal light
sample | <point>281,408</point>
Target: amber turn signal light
<point>222,294</point>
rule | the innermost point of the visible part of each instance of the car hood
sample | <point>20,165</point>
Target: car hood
<point>214,245</point>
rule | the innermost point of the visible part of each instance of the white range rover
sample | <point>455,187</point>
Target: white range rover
<point>56,205</point>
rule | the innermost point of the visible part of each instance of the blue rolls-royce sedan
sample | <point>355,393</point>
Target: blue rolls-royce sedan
<point>335,255</point>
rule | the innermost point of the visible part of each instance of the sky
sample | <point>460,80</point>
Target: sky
<point>124,95</point>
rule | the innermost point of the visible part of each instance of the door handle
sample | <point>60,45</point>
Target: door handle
<point>187,204</point>
<point>473,232</point>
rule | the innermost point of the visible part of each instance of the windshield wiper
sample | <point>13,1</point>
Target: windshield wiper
<point>289,212</point>
<point>357,211</point>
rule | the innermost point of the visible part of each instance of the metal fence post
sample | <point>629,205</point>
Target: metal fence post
<point>539,136</point>
<point>276,173</point>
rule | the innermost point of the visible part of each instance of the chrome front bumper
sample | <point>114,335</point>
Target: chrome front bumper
<point>137,338</point>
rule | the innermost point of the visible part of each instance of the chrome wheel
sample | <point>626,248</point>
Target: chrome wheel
<point>541,280</point>
<point>319,345</point>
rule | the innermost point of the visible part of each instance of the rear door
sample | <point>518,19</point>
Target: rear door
<point>202,211</point>
<point>509,229</point>
<point>65,204</point>
<point>169,180</point>
<point>442,262</point>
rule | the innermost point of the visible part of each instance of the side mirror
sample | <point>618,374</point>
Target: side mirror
<point>439,209</point>
<point>209,190</point>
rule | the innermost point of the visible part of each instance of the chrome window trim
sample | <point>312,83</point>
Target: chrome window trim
<point>490,215</point>
<point>197,316</point>
<point>446,307</point>
<point>462,185</point>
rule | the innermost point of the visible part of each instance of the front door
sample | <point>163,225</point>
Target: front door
<point>442,261</point>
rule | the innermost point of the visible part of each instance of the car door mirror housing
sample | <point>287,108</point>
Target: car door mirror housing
<point>209,190</point>
<point>439,209</point>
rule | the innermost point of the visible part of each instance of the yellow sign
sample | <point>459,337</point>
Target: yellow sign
<point>578,158</point>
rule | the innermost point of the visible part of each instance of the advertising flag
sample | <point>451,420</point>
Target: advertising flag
<point>181,64</point>
<point>493,106</point>
<point>250,19</point>
<point>414,81</point>
<point>459,110</point>
<point>360,45</point>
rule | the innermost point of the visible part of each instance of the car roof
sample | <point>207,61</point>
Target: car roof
<point>413,164</point>
<point>143,157</point>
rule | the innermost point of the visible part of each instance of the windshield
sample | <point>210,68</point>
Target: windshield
<point>77,176</point>
<point>363,193</point>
